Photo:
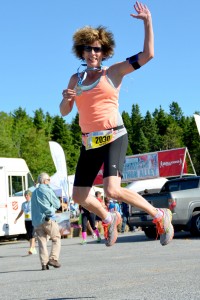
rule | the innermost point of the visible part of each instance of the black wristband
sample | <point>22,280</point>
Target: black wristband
<point>133,60</point>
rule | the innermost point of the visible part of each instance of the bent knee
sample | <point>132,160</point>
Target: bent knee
<point>80,194</point>
<point>112,193</point>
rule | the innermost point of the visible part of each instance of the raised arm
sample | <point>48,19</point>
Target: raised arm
<point>144,14</point>
<point>117,71</point>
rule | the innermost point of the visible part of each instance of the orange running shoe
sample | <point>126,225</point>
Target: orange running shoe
<point>110,229</point>
<point>164,227</point>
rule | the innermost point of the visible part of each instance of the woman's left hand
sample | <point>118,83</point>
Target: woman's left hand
<point>142,10</point>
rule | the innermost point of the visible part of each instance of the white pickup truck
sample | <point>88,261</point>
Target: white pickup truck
<point>182,196</point>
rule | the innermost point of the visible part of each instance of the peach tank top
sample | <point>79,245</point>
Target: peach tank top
<point>97,105</point>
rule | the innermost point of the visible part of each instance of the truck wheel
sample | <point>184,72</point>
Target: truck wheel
<point>195,224</point>
<point>150,232</point>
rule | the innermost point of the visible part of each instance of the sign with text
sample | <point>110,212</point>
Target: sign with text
<point>141,166</point>
<point>167,163</point>
<point>172,162</point>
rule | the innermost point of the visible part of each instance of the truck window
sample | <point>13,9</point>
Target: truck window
<point>174,187</point>
<point>190,184</point>
<point>16,185</point>
<point>170,187</point>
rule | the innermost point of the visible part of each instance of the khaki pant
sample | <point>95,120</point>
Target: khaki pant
<point>44,231</point>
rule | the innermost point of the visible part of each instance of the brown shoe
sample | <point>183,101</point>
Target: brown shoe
<point>45,267</point>
<point>54,263</point>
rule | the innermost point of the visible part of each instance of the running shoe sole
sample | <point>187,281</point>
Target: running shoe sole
<point>168,235</point>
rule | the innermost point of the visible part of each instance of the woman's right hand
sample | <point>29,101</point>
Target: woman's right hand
<point>68,94</point>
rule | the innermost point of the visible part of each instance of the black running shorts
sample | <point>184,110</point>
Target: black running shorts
<point>90,161</point>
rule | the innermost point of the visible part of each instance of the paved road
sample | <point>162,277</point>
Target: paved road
<point>134,268</point>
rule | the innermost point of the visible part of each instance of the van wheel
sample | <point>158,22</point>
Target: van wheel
<point>195,224</point>
<point>150,232</point>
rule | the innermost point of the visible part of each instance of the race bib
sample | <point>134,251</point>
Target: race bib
<point>27,216</point>
<point>98,139</point>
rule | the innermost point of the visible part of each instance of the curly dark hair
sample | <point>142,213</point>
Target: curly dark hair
<point>88,35</point>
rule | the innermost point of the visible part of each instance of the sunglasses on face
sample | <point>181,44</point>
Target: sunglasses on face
<point>90,48</point>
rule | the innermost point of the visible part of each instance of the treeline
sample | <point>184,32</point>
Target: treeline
<point>27,137</point>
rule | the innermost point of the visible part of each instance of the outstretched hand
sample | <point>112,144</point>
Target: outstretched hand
<point>142,11</point>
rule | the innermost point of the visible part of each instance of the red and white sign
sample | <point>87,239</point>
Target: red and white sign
<point>167,163</point>
<point>172,162</point>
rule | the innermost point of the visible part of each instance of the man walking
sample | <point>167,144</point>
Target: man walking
<point>44,203</point>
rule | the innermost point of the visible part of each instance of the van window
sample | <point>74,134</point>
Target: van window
<point>30,181</point>
<point>16,185</point>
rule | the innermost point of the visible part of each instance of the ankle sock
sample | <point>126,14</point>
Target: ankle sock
<point>108,219</point>
<point>84,235</point>
<point>159,213</point>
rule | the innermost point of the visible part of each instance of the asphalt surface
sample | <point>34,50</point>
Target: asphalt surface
<point>134,268</point>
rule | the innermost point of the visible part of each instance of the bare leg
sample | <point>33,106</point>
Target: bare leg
<point>113,189</point>
<point>81,195</point>
<point>32,243</point>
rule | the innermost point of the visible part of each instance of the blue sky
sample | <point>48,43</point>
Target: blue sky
<point>36,61</point>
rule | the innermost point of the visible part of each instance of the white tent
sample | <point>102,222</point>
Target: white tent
<point>152,185</point>
<point>56,185</point>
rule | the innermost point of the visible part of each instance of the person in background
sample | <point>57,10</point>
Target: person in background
<point>107,203</point>
<point>85,217</point>
<point>125,217</point>
<point>63,206</point>
<point>98,220</point>
<point>95,91</point>
<point>26,210</point>
<point>98,196</point>
<point>111,206</point>
<point>74,209</point>
<point>118,206</point>
<point>44,204</point>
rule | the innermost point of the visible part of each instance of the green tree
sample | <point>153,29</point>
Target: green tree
<point>143,146</point>
<point>136,121</point>
<point>172,138</point>
<point>7,148</point>
<point>162,121</point>
<point>39,119</point>
<point>36,151</point>
<point>176,112</point>
<point>61,134</point>
<point>21,124</point>
<point>127,123</point>
<point>151,132</point>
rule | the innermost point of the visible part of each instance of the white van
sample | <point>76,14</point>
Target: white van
<point>15,178</point>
